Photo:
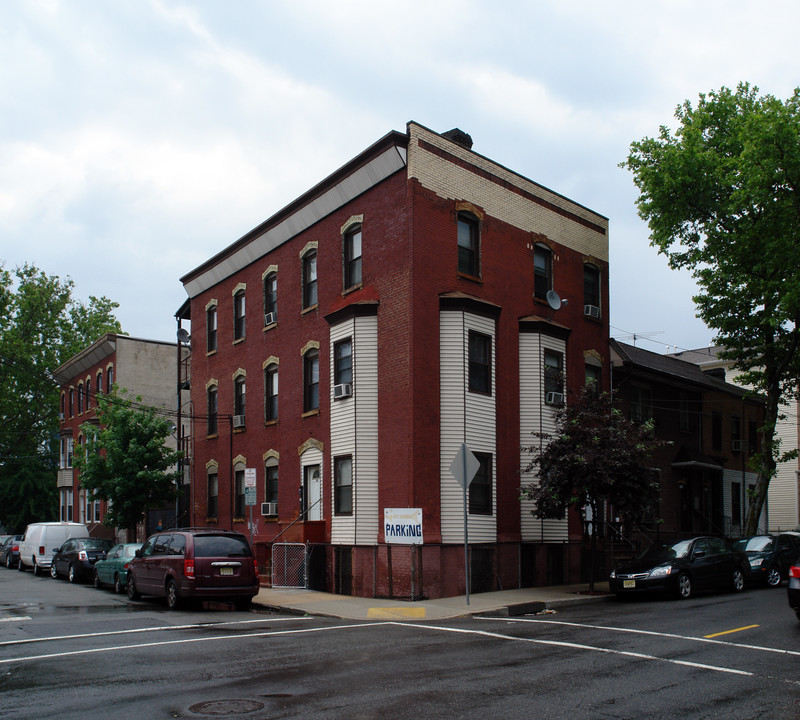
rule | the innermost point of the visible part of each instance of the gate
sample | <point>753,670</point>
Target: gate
<point>289,566</point>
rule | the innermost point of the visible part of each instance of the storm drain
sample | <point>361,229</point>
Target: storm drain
<point>226,707</point>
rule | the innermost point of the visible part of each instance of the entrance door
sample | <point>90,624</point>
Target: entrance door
<point>312,492</point>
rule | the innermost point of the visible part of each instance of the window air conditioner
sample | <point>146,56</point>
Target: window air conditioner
<point>342,391</point>
<point>270,318</point>
<point>238,421</point>
<point>554,398</point>
<point>736,445</point>
<point>268,509</point>
<point>591,311</point>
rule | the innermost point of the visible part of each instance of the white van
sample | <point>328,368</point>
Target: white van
<point>41,540</point>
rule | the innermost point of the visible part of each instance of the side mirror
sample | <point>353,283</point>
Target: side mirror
<point>138,553</point>
<point>698,554</point>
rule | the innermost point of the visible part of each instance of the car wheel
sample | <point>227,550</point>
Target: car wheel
<point>738,580</point>
<point>8,561</point>
<point>684,586</point>
<point>97,582</point>
<point>132,593</point>
<point>72,574</point>
<point>36,570</point>
<point>117,585</point>
<point>53,571</point>
<point>173,599</point>
<point>20,566</point>
<point>773,577</point>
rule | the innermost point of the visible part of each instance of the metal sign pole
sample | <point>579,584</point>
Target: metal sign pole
<point>466,525</point>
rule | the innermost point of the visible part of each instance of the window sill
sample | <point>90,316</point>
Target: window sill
<point>270,423</point>
<point>310,413</point>
<point>240,340</point>
<point>212,436</point>
<point>271,326</point>
<point>309,309</point>
<point>352,288</point>
<point>209,353</point>
<point>471,278</point>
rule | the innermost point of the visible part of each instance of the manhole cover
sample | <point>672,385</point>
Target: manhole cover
<point>226,707</point>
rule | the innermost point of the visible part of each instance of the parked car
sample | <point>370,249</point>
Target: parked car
<point>76,558</point>
<point>197,564</point>
<point>9,551</point>
<point>37,546</point>
<point>113,569</point>
<point>683,568</point>
<point>794,587</point>
<point>770,556</point>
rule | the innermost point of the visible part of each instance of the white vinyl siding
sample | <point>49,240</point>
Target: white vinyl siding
<point>536,416</point>
<point>749,478</point>
<point>354,432</point>
<point>466,417</point>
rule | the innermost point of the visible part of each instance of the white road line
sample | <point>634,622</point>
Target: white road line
<point>116,648</point>
<point>692,638</point>
<point>133,631</point>
<point>577,646</point>
<point>15,619</point>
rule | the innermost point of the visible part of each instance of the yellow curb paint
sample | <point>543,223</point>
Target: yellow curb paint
<point>728,632</point>
<point>398,612</point>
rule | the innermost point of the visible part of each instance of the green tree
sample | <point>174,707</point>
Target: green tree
<point>722,198</point>
<point>41,327</point>
<point>596,458</point>
<point>126,461</point>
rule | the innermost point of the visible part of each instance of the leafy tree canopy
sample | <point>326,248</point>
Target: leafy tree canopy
<point>722,198</point>
<point>41,326</point>
<point>596,456</point>
<point>126,461</point>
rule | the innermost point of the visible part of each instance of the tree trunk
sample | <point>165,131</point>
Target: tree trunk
<point>766,468</point>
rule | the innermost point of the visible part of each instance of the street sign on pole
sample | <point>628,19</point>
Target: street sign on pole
<point>250,495</point>
<point>463,468</point>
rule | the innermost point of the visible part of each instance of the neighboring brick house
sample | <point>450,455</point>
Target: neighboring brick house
<point>145,368</point>
<point>403,304</point>
<point>711,427</point>
<point>784,488</point>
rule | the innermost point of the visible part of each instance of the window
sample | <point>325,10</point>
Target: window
<point>70,450</point>
<point>480,363</point>
<point>271,393</point>
<point>752,436</point>
<point>736,434</point>
<point>63,405</point>
<point>553,377</point>
<point>270,298</point>
<point>480,489</point>
<point>271,482</point>
<point>468,244</point>
<point>716,431</point>
<point>343,362</point>
<point>309,280</point>
<point>211,394</point>
<point>66,505</point>
<point>100,382</point>
<point>211,329</point>
<point>343,485</point>
<point>238,507</point>
<point>238,315</point>
<point>311,381</point>
<point>352,257</point>
<point>109,379</point>
<point>736,503</point>
<point>641,404</point>
<point>239,396</point>
<point>591,291</point>
<point>213,495</point>
<point>594,375</point>
<point>542,271</point>
<point>80,398</point>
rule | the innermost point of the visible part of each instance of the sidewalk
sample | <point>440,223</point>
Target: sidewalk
<point>504,603</point>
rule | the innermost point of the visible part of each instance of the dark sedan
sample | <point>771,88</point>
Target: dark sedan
<point>9,551</point>
<point>76,558</point>
<point>682,568</point>
<point>770,556</point>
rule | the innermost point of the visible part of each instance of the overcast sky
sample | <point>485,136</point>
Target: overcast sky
<point>140,137</point>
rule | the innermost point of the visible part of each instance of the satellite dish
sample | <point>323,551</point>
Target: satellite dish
<point>553,300</point>
<point>183,336</point>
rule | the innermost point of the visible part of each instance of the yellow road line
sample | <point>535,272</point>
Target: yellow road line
<point>392,613</point>
<point>728,632</point>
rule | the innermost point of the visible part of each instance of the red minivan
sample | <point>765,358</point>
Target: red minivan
<point>195,563</point>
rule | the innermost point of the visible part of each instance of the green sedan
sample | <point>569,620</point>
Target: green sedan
<point>114,569</point>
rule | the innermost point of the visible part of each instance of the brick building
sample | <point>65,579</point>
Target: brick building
<point>712,430</point>
<point>409,303</point>
<point>145,368</point>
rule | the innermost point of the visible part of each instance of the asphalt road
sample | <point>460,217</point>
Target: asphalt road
<point>71,651</point>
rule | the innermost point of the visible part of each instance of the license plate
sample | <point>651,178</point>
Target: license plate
<point>226,571</point>
<point>629,584</point>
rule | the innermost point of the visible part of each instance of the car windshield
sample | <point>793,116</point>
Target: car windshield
<point>130,550</point>
<point>220,546</point>
<point>96,544</point>
<point>660,551</point>
<point>754,544</point>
